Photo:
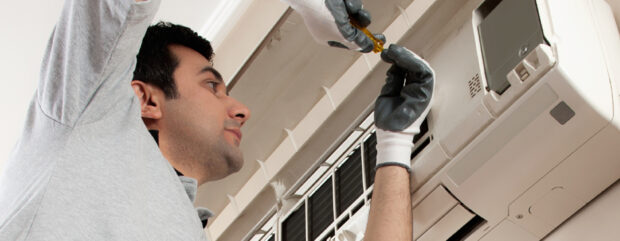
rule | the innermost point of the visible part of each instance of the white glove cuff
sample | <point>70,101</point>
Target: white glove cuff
<point>394,148</point>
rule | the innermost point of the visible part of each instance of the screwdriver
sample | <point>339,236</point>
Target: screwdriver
<point>378,44</point>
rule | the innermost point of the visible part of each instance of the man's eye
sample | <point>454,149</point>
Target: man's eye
<point>212,85</point>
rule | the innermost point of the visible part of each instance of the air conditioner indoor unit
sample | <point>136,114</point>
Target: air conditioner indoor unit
<point>531,134</point>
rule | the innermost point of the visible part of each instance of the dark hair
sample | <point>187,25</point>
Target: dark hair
<point>155,61</point>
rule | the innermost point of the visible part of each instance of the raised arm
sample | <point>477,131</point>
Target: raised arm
<point>400,109</point>
<point>90,57</point>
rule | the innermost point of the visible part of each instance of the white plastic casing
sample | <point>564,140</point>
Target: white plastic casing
<point>526,160</point>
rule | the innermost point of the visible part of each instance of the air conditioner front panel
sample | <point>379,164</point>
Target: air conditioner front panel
<point>570,185</point>
<point>457,112</point>
<point>520,148</point>
<point>509,231</point>
<point>533,128</point>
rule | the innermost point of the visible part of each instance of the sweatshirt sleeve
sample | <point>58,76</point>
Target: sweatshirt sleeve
<point>90,58</point>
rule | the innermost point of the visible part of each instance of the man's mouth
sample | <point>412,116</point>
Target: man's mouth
<point>236,132</point>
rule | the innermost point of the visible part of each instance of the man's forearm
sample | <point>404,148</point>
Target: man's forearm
<point>390,209</point>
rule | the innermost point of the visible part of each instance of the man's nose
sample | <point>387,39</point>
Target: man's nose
<point>239,111</point>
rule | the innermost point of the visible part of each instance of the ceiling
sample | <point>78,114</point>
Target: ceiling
<point>191,13</point>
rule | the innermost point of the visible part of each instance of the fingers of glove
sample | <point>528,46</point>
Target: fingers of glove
<point>419,84</point>
<point>380,37</point>
<point>398,55</point>
<point>406,59</point>
<point>419,77</point>
<point>363,41</point>
<point>395,78</point>
<point>341,16</point>
<point>398,107</point>
<point>414,107</point>
<point>402,110</point>
<point>390,98</point>
<point>356,12</point>
<point>339,9</point>
<point>392,114</point>
<point>398,114</point>
<point>385,57</point>
<point>353,6</point>
<point>418,88</point>
<point>362,17</point>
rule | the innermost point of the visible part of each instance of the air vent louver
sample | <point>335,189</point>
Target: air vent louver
<point>294,227</point>
<point>320,209</point>
<point>370,158</point>
<point>349,181</point>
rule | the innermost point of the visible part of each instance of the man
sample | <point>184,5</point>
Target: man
<point>87,166</point>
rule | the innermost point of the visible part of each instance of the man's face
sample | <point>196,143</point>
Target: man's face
<point>203,123</point>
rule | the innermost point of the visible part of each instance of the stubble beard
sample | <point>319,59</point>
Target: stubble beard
<point>214,156</point>
<point>223,159</point>
<point>230,155</point>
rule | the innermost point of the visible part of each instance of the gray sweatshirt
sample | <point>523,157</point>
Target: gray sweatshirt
<point>85,167</point>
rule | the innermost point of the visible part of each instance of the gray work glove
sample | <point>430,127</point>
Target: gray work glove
<point>402,105</point>
<point>329,22</point>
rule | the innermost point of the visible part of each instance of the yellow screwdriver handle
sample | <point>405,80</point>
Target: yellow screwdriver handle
<point>378,44</point>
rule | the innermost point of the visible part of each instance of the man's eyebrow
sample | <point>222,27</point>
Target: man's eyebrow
<point>213,71</point>
<point>217,74</point>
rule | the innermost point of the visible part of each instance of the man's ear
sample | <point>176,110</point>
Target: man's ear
<point>150,98</point>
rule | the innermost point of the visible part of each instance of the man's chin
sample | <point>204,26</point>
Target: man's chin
<point>235,167</point>
<point>232,168</point>
<point>235,162</point>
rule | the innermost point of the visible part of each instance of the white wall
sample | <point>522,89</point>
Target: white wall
<point>26,26</point>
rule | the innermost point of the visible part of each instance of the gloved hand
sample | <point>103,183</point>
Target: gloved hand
<point>402,105</point>
<point>328,22</point>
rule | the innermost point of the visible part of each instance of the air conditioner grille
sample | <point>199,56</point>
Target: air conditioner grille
<point>320,209</point>
<point>474,85</point>
<point>349,181</point>
<point>370,158</point>
<point>294,227</point>
<point>328,236</point>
